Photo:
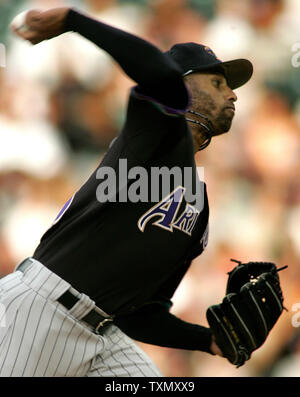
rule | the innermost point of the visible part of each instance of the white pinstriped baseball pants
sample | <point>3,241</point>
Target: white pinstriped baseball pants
<point>40,337</point>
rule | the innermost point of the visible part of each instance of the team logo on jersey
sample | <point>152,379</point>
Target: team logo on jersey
<point>204,239</point>
<point>167,210</point>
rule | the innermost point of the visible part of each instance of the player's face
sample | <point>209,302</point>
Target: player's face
<point>212,97</point>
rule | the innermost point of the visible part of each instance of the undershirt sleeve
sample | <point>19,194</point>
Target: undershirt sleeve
<point>154,324</point>
<point>156,74</point>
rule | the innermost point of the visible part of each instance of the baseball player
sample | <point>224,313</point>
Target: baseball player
<point>104,273</point>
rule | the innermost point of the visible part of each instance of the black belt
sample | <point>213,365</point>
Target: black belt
<point>68,300</point>
<point>93,318</point>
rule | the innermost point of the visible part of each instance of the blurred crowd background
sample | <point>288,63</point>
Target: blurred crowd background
<point>63,101</point>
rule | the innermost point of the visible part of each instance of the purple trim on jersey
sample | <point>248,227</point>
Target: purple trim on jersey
<point>63,210</point>
<point>164,108</point>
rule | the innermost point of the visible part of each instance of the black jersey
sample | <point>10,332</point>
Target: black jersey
<point>123,254</point>
<point>130,255</point>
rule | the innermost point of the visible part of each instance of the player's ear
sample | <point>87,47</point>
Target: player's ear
<point>187,79</point>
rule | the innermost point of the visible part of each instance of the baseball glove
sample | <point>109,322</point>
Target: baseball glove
<point>252,305</point>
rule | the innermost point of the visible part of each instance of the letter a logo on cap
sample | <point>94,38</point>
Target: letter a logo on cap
<point>210,52</point>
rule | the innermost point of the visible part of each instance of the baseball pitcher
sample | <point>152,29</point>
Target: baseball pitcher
<point>105,272</point>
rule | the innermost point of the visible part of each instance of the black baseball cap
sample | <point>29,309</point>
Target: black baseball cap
<point>193,57</point>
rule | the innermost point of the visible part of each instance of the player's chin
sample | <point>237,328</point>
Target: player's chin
<point>222,131</point>
<point>222,126</point>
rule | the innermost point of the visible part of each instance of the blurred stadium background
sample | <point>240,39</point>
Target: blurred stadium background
<point>63,101</point>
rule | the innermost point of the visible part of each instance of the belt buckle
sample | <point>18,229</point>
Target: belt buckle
<point>22,266</point>
<point>101,325</point>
